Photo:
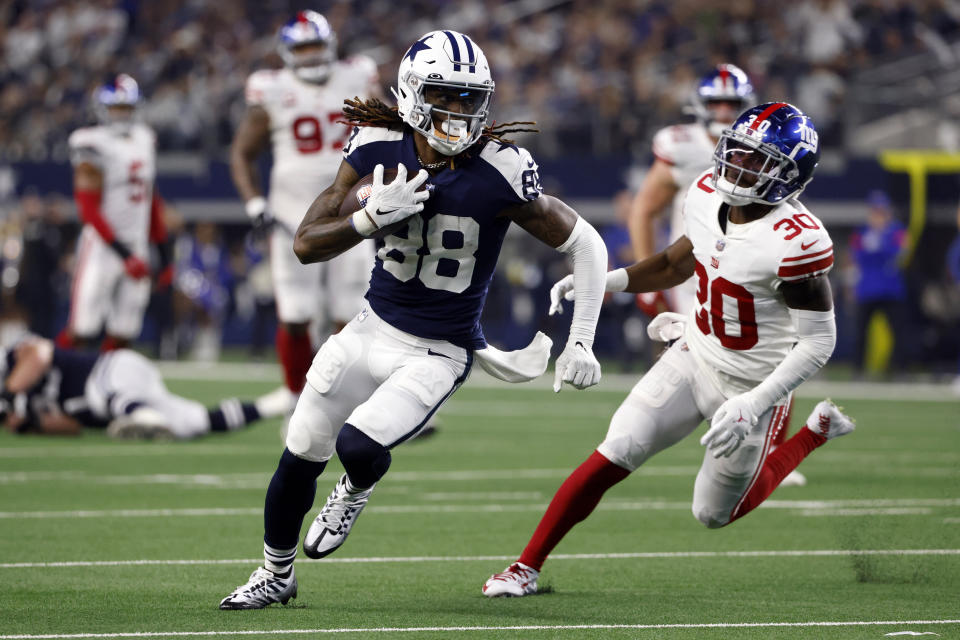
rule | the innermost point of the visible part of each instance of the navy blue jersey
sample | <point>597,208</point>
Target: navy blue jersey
<point>431,278</point>
<point>63,386</point>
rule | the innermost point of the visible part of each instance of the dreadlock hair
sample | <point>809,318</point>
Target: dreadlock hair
<point>374,113</point>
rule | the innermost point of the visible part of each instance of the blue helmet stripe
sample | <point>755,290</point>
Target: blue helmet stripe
<point>470,54</point>
<point>456,50</point>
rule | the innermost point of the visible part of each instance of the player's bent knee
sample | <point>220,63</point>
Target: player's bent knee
<point>710,517</point>
<point>364,459</point>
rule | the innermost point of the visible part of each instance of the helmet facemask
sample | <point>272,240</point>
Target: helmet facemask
<point>310,61</point>
<point>448,131</point>
<point>747,171</point>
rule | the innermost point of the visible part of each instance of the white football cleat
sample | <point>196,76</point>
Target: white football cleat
<point>331,527</point>
<point>143,423</point>
<point>828,421</point>
<point>794,479</point>
<point>279,402</point>
<point>262,589</point>
<point>515,581</point>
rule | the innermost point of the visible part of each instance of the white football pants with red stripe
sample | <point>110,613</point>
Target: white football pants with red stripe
<point>666,406</point>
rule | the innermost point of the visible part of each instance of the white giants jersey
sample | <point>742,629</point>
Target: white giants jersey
<point>740,328</point>
<point>129,166</point>
<point>688,149</point>
<point>306,137</point>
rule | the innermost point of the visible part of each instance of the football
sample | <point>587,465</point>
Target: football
<point>357,197</point>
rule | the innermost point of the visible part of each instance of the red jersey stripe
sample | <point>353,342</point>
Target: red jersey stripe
<point>809,255</point>
<point>796,270</point>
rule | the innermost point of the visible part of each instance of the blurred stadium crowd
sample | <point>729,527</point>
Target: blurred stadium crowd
<point>598,76</point>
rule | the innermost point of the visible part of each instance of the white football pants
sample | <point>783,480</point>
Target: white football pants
<point>667,405</point>
<point>123,376</point>
<point>383,381</point>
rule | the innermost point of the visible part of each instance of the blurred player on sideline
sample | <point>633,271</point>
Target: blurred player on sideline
<point>114,168</point>
<point>681,153</point>
<point>763,323</point>
<point>296,110</point>
<point>373,386</point>
<point>50,390</point>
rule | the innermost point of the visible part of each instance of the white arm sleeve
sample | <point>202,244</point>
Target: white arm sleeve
<point>817,333</point>
<point>589,256</point>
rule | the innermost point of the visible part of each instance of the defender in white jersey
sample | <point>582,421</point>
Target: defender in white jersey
<point>297,111</point>
<point>681,153</point>
<point>763,322</point>
<point>114,172</point>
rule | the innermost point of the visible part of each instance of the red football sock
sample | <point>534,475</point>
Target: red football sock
<point>776,467</point>
<point>574,501</point>
<point>296,354</point>
<point>781,435</point>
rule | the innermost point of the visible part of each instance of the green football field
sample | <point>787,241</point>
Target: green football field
<point>103,539</point>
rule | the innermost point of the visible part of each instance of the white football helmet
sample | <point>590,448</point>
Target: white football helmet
<point>452,69</point>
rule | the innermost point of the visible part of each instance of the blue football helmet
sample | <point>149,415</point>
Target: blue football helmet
<point>308,27</point>
<point>121,91</point>
<point>724,83</point>
<point>769,154</point>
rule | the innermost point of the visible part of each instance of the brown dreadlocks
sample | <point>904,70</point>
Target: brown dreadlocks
<point>374,113</point>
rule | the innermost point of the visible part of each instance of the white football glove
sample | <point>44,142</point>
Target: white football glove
<point>389,203</point>
<point>576,366</point>
<point>562,290</point>
<point>730,425</point>
<point>259,213</point>
<point>667,326</point>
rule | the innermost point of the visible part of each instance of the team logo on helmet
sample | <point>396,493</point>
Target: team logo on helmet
<point>769,154</point>
<point>443,90</point>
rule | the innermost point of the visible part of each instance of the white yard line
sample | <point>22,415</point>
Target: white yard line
<point>652,555</point>
<point>572,627</point>
<point>907,506</point>
<point>614,382</point>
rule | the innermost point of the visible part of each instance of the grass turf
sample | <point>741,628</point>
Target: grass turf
<point>475,492</point>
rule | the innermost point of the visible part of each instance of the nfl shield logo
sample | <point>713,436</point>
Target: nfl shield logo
<point>721,243</point>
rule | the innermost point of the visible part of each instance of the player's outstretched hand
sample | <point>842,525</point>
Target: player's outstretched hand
<point>135,267</point>
<point>576,366</point>
<point>666,326</point>
<point>730,425</point>
<point>392,202</point>
<point>562,290</point>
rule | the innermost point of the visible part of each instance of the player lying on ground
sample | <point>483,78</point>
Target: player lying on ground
<point>763,323</point>
<point>374,385</point>
<point>46,389</point>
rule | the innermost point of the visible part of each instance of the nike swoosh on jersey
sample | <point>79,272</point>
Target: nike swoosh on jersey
<point>431,352</point>
<point>804,247</point>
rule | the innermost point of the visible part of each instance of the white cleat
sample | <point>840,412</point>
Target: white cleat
<point>515,581</point>
<point>794,479</point>
<point>279,402</point>
<point>143,423</point>
<point>828,421</point>
<point>330,529</point>
<point>262,589</point>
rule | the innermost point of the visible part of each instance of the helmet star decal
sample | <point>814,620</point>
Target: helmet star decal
<point>416,48</point>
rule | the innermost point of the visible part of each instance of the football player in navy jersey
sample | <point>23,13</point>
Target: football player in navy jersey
<point>438,236</point>
<point>57,391</point>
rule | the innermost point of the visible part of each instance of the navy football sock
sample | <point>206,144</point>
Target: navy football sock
<point>289,497</point>
<point>364,459</point>
<point>232,414</point>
